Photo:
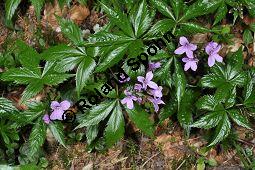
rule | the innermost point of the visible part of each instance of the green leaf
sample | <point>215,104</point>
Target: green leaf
<point>159,29</point>
<point>113,55</point>
<point>236,60</point>
<point>105,38</point>
<point>221,13</point>
<point>210,120</point>
<point>239,119</point>
<point>119,19</point>
<point>37,137</point>
<point>168,110</point>
<point>20,76</point>
<point>6,106</point>
<point>60,52</point>
<point>163,8</point>
<point>247,37</point>
<point>207,102</point>
<point>184,114</point>
<point>91,133</point>
<point>222,130</point>
<point>177,6</point>
<point>83,73</point>
<point>115,126</point>
<point>64,2</point>
<point>141,120</point>
<point>57,131</point>
<point>222,93</point>
<point>55,79</point>
<point>230,102</point>
<point>97,114</point>
<point>68,64</point>
<point>199,8</point>
<point>70,31</point>
<point>38,4</point>
<point>31,90</point>
<point>10,8</point>
<point>194,28</point>
<point>179,81</point>
<point>27,56</point>
<point>141,19</point>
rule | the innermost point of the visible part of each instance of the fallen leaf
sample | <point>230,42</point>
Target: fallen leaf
<point>78,13</point>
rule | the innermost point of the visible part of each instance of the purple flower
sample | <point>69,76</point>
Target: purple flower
<point>156,102</point>
<point>138,87</point>
<point>146,81</point>
<point>190,63</point>
<point>153,66</point>
<point>212,50</point>
<point>156,92</point>
<point>59,109</point>
<point>129,100</point>
<point>46,119</point>
<point>186,47</point>
<point>139,100</point>
<point>124,79</point>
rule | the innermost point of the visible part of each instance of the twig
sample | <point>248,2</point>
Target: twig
<point>149,159</point>
<point>181,164</point>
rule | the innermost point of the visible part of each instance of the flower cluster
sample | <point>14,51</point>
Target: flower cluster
<point>190,60</point>
<point>58,110</point>
<point>153,91</point>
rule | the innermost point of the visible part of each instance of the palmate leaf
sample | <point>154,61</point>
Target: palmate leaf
<point>222,130</point>
<point>6,106</point>
<point>239,119</point>
<point>209,121</point>
<point>97,114</point>
<point>37,137</point>
<point>57,131</point>
<point>91,133</point>
<point>221,13</point>
<point>141,120</point>
<point>140,18</point>
<point>200,7</point>
<point>31,90</point>
<point>115,126</point>
<point>84,70</point>
<point>179,81</point>
<point>38,4</point>
<point>163,8</point>
<point>190,27</point>
<point>10,8</point>
<point>184,113</point>
<point>207,102</point>
<point>119,19</point>
<point>113,55</point>
<point>177,6</point>
<point>70,30</point>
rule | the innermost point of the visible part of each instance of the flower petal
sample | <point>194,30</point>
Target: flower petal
<point>46,119</point>
<point>193,66</point>
<point>189,53</point>
<point>152,85</point>
<point>56,115</point>
<point>211,61</point>
<point>187,66</point>
<point>130,104</point>
<point>183,40</point>
<point>65,105</point>
<point>149,76</point>
<point>124,101</point>
<point>218,58</point>
<point>180,50</point>
<point>140,79</point>
<point>54,105</point>
<point>185,59</point>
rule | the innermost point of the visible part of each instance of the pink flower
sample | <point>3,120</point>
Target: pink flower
<point>138,87</point>
<point>156,102</point>
<point>156,92</point>
<point>46,119</point>
<point>153,66</point>
<point>59,109</point>
<point>190,63</point>
<point>212,50</point>
<point>186,47</point>
<point>128,100</point>
<point>146,81</point>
